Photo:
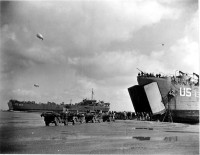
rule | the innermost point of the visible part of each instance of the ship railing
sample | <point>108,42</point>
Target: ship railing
<point>162,74</point>
<point>185,79</point>
<point>170,75</point>
<point>152,75</point>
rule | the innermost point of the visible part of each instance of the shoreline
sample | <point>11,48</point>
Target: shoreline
<point>122,136</point>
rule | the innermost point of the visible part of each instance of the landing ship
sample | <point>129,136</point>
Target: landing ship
<point>83,106</point>
<point>88,105</point>
<point>177,95</point>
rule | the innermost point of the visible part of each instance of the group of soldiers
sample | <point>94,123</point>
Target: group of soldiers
<point>124,115</point>
<point>67,116</point>
<point>149,75</point>
<point>144,116</point>
<point>148,116</point>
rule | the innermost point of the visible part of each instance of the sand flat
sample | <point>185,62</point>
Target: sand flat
<point>122,136</point>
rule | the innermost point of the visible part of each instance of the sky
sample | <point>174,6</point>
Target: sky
<point>93,44</point>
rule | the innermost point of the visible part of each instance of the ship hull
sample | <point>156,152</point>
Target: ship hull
<point>184,105</point>
<point>33,107</point>
<point>17,106</point>
<point>185,116</point>
<point>164,84</point>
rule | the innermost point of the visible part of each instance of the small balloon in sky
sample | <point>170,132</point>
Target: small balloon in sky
<point>36,85</point>
<point>40,36</point>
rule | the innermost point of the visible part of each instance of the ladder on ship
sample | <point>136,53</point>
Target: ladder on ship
<point>168,113</point>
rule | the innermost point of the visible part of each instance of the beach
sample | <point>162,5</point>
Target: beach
<point>23,132</point>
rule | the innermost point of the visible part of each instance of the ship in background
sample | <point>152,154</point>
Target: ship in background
<point>32,106</point>
<point>178,93</point>
<point>88,105</point>
<point>83,106</point>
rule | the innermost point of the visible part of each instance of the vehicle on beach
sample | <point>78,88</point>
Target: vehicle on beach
<point>90,117</point>
<point>93,117</point>
<point>71,117</point>
<point>80,117</point>
<point>57,118</point>
<point>108,117</point>
<point>53,117</point>
<point>76,117</point>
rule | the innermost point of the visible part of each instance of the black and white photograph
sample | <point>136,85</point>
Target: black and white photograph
<point>99,77</point>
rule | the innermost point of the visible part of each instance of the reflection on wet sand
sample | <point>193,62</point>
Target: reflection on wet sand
<point>27,134</point>
<point>142,138</point>
<point>145,128</point>
<point>166,139</point>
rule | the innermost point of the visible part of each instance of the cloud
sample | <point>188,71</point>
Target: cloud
<point>104,65</point>
<point>192,27</point>
<point>23,92</point>
<point>44,54</point>
<point>74,28</point>
<point>185,52</point>
<point>93,44</point>
<point>125,17</point>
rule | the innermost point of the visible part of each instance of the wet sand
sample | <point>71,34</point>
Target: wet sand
<point>120,137</point>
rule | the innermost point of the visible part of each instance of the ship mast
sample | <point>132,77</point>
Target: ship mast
<point>92,93</point>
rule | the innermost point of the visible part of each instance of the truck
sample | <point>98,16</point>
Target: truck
<point>63,117</point>
<point>93,117</point>
<point>54,117</point>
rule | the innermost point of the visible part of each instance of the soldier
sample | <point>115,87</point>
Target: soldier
<point>128,115</point>
<point>77,112</point>
<point>125,115</point>
<point>147,116</point>
<point>142,114</point>
<point>113,116</point>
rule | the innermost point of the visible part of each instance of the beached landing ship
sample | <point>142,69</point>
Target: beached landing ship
<point>83,106</point>
<point>179,95</point>
<point>32,106</point>
<point>89,105</point>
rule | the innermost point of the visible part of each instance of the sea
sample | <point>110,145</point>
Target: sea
<point>20,119</point>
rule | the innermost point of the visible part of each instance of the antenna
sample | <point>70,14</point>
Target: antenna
<point>92,93</point>
<point>140,71</point>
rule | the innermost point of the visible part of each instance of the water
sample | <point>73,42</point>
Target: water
<point>20,119</point>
